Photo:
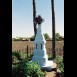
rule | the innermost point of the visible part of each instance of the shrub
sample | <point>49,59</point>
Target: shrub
<point>32,70</point>
<point>17,69</point>
<point>15,72</point>
<point>57,36</point>
<point>46,36</point>
<point>20,55</point>
<point>17,54</point>
<point>32,38</point>
<point>26,69</point>
<point>14,59</point>
<point>59,61</point>
<point>31,56</point>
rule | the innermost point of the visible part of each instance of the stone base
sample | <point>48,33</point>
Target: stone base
<point>47,67</point>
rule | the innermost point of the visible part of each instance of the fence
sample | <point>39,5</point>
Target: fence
<point>29,51</point>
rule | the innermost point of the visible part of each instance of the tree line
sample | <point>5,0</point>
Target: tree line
<point>58,37</point>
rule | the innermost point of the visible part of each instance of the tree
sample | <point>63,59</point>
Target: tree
<point>53,30</point>
<point>34,15</point>
<point>57,36</point>
<point>46,36</point>
<point>20,39</point>
<point>32,38</point>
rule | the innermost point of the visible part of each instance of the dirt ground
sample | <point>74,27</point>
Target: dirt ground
<point>50,74</point>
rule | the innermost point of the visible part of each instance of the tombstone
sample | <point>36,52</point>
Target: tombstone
<point>40,54</point>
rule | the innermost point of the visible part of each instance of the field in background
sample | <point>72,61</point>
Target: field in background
<point>22,46</point>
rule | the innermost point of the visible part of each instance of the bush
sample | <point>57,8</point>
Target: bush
<point>17,69</point>
<point>26,69</point>
<point>20,55</point>
<point>32,38</point>
<point>59,61</point>
<point>46,36</point>
<point>14,59</point>
<point>31,56</point>
<point>15,72</point>
<point>17,54</point>
<point>32,70</point>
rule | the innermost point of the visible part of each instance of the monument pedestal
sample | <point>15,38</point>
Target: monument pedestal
<point>40,55</point>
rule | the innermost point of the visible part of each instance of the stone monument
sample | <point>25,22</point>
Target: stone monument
<point>40,54</point>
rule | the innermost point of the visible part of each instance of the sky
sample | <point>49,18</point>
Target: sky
<point>22,17</point>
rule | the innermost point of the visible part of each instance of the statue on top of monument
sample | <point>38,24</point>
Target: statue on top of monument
<point>38,20</point>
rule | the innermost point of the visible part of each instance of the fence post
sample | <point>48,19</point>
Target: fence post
<point>30,51</point>
<point>27,51</point>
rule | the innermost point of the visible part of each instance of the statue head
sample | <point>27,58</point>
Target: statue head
<point>38,20</point>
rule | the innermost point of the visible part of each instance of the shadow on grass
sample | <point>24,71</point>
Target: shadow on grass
<point>50,58</point>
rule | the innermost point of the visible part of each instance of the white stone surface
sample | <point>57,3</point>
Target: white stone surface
<point>40,54</point>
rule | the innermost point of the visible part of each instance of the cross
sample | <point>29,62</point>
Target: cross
<point>38,20</point>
